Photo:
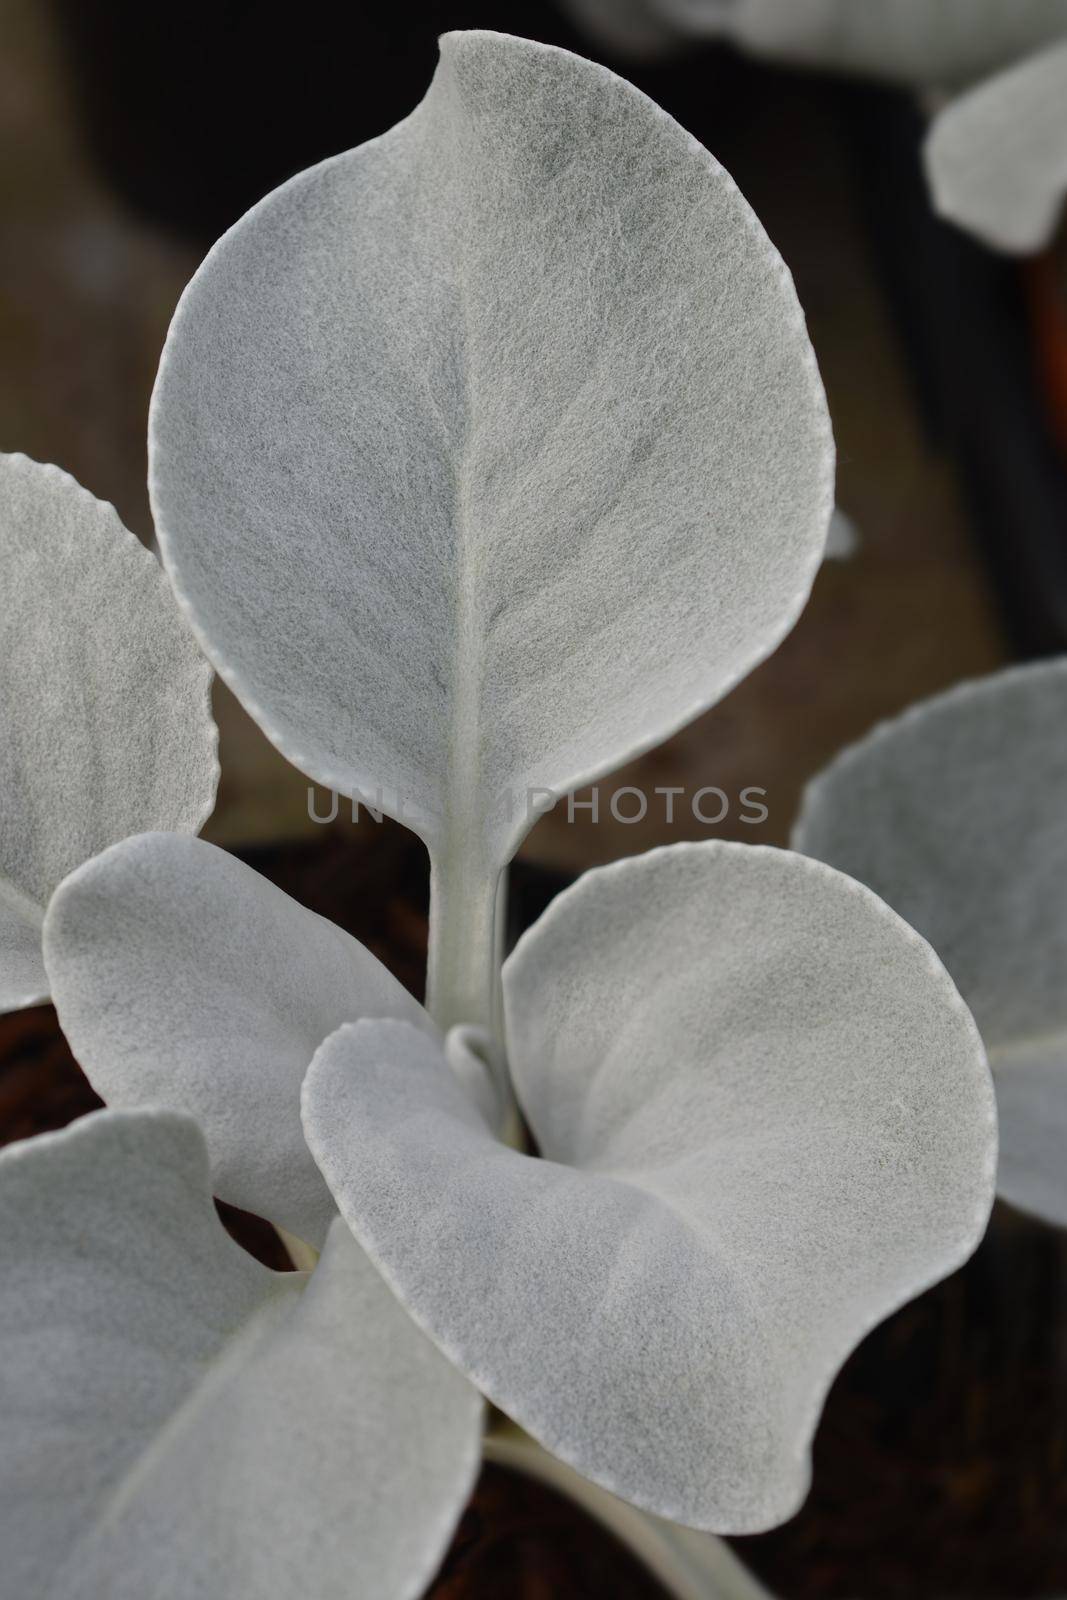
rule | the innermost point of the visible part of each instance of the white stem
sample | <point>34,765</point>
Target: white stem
<point>466,917</point>
<point>689,1565</point>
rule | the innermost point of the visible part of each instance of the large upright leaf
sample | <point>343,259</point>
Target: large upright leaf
<point>105,726</point>
<point>487,454</point>
<point>178,1421</point>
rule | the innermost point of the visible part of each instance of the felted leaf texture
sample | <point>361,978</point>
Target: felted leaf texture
<point>765,1120</point>
<point>105,727</point>
<point>184,979</point>
<point>997,157</point>
<point>522,392</point>
<point>178,1420</point>
<point>956,813</point>
<point>911,41</point>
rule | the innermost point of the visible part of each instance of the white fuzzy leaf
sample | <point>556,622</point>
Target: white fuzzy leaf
<point>956,813</point>
<point>105,727</point>
<point>180,1421</point>
<point>523,393</point>
<point>997,157</point>
<point>184,979</point>
<point>766,1121</point>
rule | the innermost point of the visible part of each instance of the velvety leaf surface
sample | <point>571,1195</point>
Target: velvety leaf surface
<point>180,1421</point>
<point>938,1464</point>
<point>105,727</point>
<point>525,393</point>
<point>956,813</point>
<point>766,1121</point>
<point>184,979</point>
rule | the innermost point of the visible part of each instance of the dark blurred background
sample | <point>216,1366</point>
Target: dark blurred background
<point>131,137</point>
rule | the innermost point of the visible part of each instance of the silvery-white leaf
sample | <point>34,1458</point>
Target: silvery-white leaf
<point>911,41</point>
<point>956,813</point>
<point>522,394</point>
<point>180,1421</point>
<point>766,1121</point>
<point>105,727</point>
<point>996,158</point>
<point>184,979</point>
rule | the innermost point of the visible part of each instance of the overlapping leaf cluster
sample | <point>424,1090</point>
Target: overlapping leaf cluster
<point>482,457</point>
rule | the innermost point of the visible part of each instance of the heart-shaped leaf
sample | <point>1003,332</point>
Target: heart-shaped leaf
<point>489,453</point>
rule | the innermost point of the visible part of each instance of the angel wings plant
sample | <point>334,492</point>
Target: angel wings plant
<point>482,457</point>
